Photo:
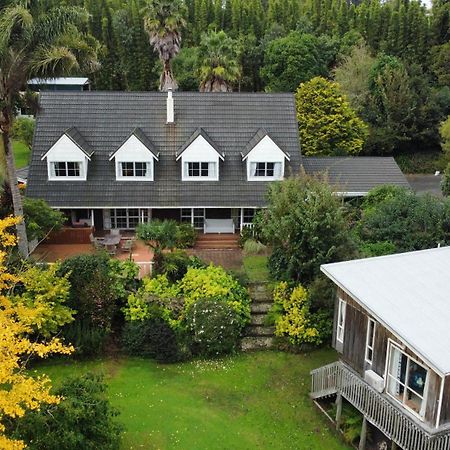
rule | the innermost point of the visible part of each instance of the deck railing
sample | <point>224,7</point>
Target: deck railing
<point>391,420</point>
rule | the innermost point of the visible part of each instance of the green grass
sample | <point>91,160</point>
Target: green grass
<point>255,268</point>
<point>21,154</point>
<point>248,401</point>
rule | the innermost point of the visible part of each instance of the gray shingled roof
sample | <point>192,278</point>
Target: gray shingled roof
<point>199,132</point>
<point>105,119</point>
<point>255,140</point>
<point>143,138</point>
<point>78,138</point>
<point>357,175</point>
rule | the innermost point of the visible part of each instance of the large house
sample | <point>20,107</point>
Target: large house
<point>392,331</point>
<point>113,160</point>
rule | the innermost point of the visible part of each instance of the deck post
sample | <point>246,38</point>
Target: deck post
<point>92,219</point>
<point>242,220</point>
<point>363,437</point>
<point>338,411</point>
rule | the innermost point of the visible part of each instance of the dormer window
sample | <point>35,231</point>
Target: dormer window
<point>199,158</point>
<point>135,169</point>
<point>66,169</point>
<point>200,169</point>
<point>68,157</point>
<point>134,159</point>
<point>265,160</point>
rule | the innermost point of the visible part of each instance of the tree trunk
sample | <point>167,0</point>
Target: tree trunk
<point>167,81</point>
<point>15,193</point>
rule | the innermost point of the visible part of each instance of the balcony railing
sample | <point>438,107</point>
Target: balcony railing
<point>407,433</point>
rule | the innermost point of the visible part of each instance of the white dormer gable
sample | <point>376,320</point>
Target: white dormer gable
<point>134,160</point>
<point>265,160</point>
<point>66,160</point>
<point>199,159</point>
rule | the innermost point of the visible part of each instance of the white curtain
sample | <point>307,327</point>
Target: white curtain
<point>212,170</point>
<point>253,169</point>
<point>277,170</point>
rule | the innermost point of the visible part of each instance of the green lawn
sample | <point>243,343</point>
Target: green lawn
<point>248,401</point>
<point>255,267</point>
<point>21,154</point>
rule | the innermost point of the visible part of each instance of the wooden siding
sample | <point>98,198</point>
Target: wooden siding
<point>354,349</point>
<point>445,411</point>
<point>355,337</point>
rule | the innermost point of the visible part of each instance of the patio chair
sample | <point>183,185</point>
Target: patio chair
<point>95,242</point>
<point>126,245</point>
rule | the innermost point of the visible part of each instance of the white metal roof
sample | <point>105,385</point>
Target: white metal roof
<point>71,81</point>
<point>409,293</point>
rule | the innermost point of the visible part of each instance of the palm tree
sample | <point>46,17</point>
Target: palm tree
<point>35,42</point>
<point>163,22</point>
<point>219,66</point>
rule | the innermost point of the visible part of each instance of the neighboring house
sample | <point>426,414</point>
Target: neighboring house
<point>59,84</point>
<point>113,160</point>
<point>392,330</point>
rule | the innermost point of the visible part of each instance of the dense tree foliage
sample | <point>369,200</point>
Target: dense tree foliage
<point>327,123</point>
<point>305,226</point>
<point>20,392</point>
<point>282,43</point>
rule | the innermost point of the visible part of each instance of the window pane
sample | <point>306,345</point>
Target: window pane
<point>73,169</point>
<point>270,169</point>
<point>60,169</point>
<point>395,388</point>
<point>127,169</point>
<point>133,222</point>
<point>140,169</point>
<point>194,169</point>
<point>397,364</point>
<point>413,401</point>
<point>248,215</point>
<point>260,169</point>
<point>204,169</point>
<point>186,215</point>
<point>417,377</point>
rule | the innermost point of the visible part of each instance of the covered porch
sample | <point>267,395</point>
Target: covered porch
<point>205,220</point>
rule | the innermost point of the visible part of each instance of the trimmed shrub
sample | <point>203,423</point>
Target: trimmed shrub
<point>214,328</point>
<point>84,419</point>
<point>88,339</point>
<point>175,265</point>
<point>186,235</point>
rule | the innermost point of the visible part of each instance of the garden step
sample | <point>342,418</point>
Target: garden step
<point>260,307</point>
<point>256,343</point>
<point>259,330</point>
<point>258,319</point>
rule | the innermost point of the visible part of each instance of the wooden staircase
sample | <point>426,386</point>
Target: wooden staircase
<point>217,241</point>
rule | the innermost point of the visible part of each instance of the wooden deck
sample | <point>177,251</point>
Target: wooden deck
<point>217,241</point>
<point>51,253</point>
<point>394,421</point>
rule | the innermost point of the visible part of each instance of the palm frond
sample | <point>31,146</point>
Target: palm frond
<point>15,23</point>
<point>53,62</point>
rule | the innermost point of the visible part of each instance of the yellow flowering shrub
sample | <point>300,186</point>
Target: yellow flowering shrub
<point>294,319</point>
<point>18,391</point>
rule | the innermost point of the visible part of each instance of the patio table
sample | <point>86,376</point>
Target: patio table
<point>111,242</point>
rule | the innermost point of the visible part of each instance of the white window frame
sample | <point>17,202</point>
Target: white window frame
<point>370,340</point>
<point>189,215</point>
<point>52,171</point>
<point>421,415</point>
<point>143,217</point>
<point>252,177</point>
<point>147,177</point>
<point>213,173</point>
<point>340,327</point>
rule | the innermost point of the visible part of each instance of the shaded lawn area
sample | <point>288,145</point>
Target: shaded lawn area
<point>248,401</point>
<point>21,154</point>
<point>255,267</point>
